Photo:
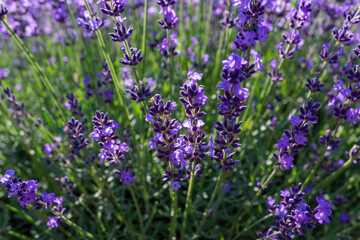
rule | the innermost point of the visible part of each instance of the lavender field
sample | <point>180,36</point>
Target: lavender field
<point>180,119</point>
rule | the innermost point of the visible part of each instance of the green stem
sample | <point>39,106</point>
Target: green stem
<point>137,209</point>
<point>144,33</point>
<point>333,176</point>
<point>36,65</point>
<point>70,223</point>
<point>15,234</point>
<point>113,74</point>
<point>213,196</point>
<point>252,225</point>
<point>207,28</point>
<point>271,176</point>
<point>346,230</point>
<point>188,200</point>
<point>270,236</point>
<point>313,171</point>
<point>173,213</point>
<point>169,64</point>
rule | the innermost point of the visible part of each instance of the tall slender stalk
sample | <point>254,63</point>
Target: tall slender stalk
<point>144,33</point>
<point>173,214</point>
<point>212,199</point>
<point>171,87</point>
<point>36,65</point>
<point>318,163</point>
<point>137,209</point>
<point>333,175</point>
<point>188,200</point>
<point>70,223</point>
<point>113,73</point>
<point>118,90</point>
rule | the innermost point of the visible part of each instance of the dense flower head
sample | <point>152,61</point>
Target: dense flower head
<point>112,148</point>
<point>25,192</point>
<point>166,50</point>
<point>235,71</point>
<point>314,85</point>
<point>250,21</point>
<point>3,12</point>
<point>292,139</point>
<point>343,104</point>
<point>293,216</point>
<point>134,59</point>
<point>91,24</point>
<point>192,145</point>
<point>76,135</point>
<point>112,8</point>
<point>193,95</point>
<point>166,142</point>
<point>121,33</point>
<point>170,19</point>
<point>342,35</point>
<point>144,92</point>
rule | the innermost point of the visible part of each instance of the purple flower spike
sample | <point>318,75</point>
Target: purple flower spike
<point>295,137</point>
<point>25,192</point>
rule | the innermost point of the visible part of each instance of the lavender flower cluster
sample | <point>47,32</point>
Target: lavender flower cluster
<point>293,216</point>
<point>25,192</point>
<point>239,130</point>
<point>112,149</point>
<point>294,138</point>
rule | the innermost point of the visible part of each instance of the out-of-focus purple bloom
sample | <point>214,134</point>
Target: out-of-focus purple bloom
<point>48,148</point>
<point>90,23</point>
<point>344,217</point>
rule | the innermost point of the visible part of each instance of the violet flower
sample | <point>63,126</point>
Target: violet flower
<point>192,144</point>
<point>112,148</point>
<point>292,139</point>
<point>25,192</point>
<point>166,141</point>
<point>235,71</point>
<point>293,216</point>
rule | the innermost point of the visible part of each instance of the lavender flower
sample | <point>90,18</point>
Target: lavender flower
<point>112,8</point>
<point>90,23</point>
<point>76,135</point>
<point>250,20</point>
<point>166,142</point>
<point>25,192</point>
<point>298,17</point>
<point>112,148</point>
<point>235,71</point>
<point>192,145</point>
<point>3,12</point>
<point>293,216</point>
<point>314,85</point>
<point>295,137</point>
<point>134,59</point>
<point>121,33</point>
<point>170,19</point>
<point>164,48</point>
